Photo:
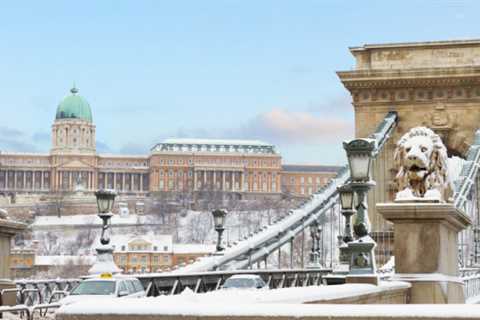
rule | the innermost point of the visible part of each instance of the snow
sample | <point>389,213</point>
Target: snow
<point>63,260</point>
<point>265,302</point>
<point>329,311</point>
<point>455,165</point>
<point>104,262</point>
<point>244,276</point>
<point>193,248</point>
<point>406,195</point>
<point>87,219</point>
<point>307,212</point>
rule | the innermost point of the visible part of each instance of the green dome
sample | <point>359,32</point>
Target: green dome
<point>74,107</point>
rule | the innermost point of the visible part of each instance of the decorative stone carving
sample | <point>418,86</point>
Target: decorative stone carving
<point>421,160</point>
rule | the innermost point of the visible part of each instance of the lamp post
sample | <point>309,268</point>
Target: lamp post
<point>346,203</point>
<point>476,243</point>
<point>219,223</point>
<point>360,154</point>
<point>104,262</point>
<point>315,234</point>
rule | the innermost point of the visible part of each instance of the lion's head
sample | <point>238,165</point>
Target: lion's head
<point>421,159</point>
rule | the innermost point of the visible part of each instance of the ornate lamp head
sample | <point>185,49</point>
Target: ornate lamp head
<point>359,154</point>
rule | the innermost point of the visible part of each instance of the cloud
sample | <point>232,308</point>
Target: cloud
<point>134,148</point>
<point>288,127</point>
<point>16,140</point>
<point>102,147</point>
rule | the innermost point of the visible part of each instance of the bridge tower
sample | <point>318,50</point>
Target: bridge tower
<point>433,84</point>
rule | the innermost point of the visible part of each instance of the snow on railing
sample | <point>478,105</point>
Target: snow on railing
<point>468,175</point>
<point>272,237</point>
<point>472,285</point>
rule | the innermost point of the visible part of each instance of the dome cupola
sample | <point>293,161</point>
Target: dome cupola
<point>74,106</point>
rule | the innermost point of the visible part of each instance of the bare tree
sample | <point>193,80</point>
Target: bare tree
<point>58,200</point>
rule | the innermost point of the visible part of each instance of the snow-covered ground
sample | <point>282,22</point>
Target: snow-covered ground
<point>237,302</point>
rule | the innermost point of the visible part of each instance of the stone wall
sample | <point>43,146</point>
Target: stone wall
<point>7,230</point>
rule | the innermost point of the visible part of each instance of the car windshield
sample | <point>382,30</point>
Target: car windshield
<point>95,287</point>
<point>239,283</point>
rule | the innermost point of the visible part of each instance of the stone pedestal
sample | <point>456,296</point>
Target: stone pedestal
<point>362,261</point>
<point>426,249</point>
<point>8,229</point>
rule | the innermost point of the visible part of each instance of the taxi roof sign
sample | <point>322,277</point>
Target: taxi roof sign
<point>106,275</point>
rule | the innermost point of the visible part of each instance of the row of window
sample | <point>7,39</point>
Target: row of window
<point>141,247</point>
<point>143,260</point>
<point>263,163</point>
<point>263,187</point>
<point>181,173</point>
<point>308,179</point>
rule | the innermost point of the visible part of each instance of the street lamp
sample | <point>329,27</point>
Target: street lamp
<point>219,223</point>
<point>360,154</point>
<point>104,262</point>
<point>361,251</point>
<point>315,234</point>
<point>346,202</point>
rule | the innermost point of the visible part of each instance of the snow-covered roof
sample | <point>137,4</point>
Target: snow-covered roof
<point>217,142</point>
<point>63,260</point>
<point>214,145</point>
<point>162,242</point>
<point>181,248</point>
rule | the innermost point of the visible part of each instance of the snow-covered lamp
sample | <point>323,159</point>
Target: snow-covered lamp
<point>361,251</point>
<point>105,199</point>
<point>346,197</point>
<point>104,262</point>
<point>346,202</point>
<point>359,154</point>
<point>219,223</point>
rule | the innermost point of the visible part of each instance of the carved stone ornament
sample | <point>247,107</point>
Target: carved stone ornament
<point>421,161</point>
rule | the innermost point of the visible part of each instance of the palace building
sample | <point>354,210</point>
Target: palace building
<point>174,165</point>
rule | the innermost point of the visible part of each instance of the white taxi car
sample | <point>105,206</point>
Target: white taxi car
<point>105,286</point>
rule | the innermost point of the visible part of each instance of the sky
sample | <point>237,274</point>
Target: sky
<point>244,69</point>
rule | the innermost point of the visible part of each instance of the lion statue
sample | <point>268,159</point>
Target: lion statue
<point>421,159</point>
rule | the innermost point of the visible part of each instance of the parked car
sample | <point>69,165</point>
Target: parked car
<point>106,285</point>
<point>244,281</point>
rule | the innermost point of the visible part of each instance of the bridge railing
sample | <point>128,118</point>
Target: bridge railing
<point>472,285</point>
<point>36,292</point>
<point>168,284</point>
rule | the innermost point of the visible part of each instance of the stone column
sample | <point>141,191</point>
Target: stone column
<point>131,182</point>
<point>214,180</point>
<point>140,187</point>
<point>123,181</point>
<point>195,180</point>
<point>41,179</point>
<point>115,181</point>
<point>242,179</point>
<point>233,180</point>
<point>223,181</point>
<point>33,180</point>
<point>426,249</point>
<point>14,179</point>
<point>204,178</point>
<point>6,179</point>
<point>24,180</point>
